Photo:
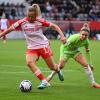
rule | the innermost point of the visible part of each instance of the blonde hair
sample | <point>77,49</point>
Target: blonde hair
<point>86,27</point>
<point>38,11</point>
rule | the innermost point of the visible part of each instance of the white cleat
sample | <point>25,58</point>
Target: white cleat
<point>44,84</point>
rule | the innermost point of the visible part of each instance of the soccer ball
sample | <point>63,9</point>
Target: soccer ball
<point>25,86</point>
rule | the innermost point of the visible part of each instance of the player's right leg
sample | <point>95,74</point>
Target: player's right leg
<point>81,59</point>
<point>31,59</point>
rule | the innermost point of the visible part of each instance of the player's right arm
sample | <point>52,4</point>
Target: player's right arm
<point>61,50</point>
<point>13,27</point>
<point>10,29</point>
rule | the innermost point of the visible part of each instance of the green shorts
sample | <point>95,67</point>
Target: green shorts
<point>65,54</point>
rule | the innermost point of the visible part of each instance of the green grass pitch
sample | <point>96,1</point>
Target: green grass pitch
<point>13,70</point>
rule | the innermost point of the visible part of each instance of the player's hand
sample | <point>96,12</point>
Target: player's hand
<point>63,39</point>
<point>91,66</point>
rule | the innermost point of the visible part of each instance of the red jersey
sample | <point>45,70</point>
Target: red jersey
<point>33,32</point>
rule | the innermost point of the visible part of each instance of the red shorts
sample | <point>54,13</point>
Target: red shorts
<point>44,52</point>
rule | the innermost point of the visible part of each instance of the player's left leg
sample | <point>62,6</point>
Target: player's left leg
<point>63,59</point>
<point>48,57</point>
<point>81,59</point>
<point>60,65</point>
<point>51,64</point>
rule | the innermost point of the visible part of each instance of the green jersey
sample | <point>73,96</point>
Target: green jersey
<point>72,48</point>
<point>74,43</point>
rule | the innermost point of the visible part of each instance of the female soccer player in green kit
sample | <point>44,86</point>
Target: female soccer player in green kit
<point>72,50</point>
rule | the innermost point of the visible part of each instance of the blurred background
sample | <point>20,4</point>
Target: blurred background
<point>68,14</point>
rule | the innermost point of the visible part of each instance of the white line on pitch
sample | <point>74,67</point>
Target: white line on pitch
<point>21,66</point>
<point>9,72</point>
<point>46,70</point>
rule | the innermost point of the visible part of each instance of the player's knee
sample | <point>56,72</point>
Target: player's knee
<point>52,67</point>
<point>61,67</point>
<point>29,63</point>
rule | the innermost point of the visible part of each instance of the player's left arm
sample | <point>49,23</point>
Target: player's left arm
<point>53,26</point>
<point>56,27</point>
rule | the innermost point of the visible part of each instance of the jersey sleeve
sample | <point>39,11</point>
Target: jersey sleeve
<point>16,25</point>
<point>44,22</point>
<point>71,39</point>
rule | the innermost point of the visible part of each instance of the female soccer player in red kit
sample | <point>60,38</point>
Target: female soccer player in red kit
<point>37,43</point>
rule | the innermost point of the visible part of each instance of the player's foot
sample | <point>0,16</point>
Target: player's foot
<point>96,85</point>
<point>44,84</point>
<point>60,75</point>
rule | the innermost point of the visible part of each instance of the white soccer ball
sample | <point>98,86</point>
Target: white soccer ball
<point>25,86</point>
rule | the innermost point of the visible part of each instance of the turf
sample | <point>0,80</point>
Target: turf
<point>13,70</point>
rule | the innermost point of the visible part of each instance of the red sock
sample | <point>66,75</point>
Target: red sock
<point>40,75</point>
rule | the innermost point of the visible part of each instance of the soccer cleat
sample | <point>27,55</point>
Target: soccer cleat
<point>96,85</point>
<point>60,75</point>
<point>44,84</point>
